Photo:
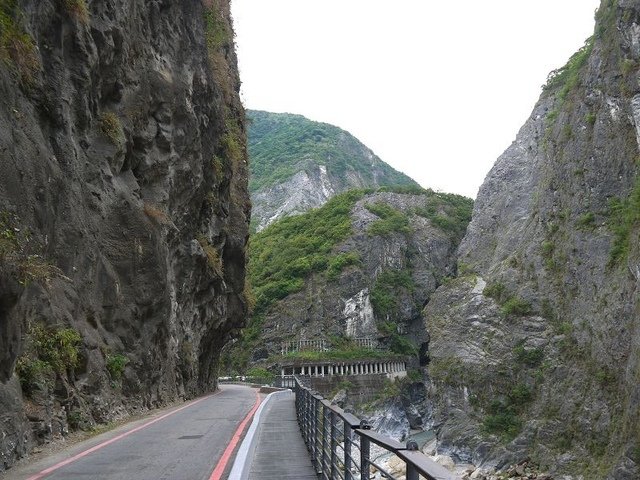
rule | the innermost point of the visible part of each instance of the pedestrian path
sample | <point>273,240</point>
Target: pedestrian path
<point>279,452</point>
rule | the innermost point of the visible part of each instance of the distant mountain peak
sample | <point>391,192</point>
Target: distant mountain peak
<point>298,164</point>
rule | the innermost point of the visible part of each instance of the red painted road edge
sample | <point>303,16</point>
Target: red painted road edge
<point>226,456</point>
<point>57,466</point>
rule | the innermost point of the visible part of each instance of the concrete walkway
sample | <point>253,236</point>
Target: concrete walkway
<point>280,452</point>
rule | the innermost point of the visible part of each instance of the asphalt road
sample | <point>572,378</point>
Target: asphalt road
<point>185,443</point>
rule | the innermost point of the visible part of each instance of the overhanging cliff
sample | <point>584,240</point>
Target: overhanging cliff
<point>123,209</point>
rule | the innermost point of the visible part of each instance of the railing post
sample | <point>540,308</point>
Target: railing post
<point>316,436</point>
<point>325,443</point>
<point>412,472</point>
<point>304,407</point>
<point>298,404</point>
<point>308,421</point>
<point>365,453</point>
<point>347,437</point>
<point>364,458</point>
<point>334,445</point>
<point>303,414</point>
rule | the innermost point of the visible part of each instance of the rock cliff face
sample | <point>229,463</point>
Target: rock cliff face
<point>535,347</point>
<point>123,209</point>
<point>298,164</point>
<point>421,255</point>
<point>362,266</point>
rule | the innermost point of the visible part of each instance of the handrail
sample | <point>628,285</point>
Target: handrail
<point>323,425</point>
<point>424,465</point>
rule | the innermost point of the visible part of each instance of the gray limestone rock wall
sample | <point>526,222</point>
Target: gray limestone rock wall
<point>123,209</point>
<point>309,188</point>
<point>365,395</point>
<point>535,347</point>
<point>302,192</point>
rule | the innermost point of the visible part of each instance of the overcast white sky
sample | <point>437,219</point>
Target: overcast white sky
<point>437,89</point>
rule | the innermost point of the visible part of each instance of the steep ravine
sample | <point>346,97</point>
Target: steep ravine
<point>123,209</point>
<point>535,348</point>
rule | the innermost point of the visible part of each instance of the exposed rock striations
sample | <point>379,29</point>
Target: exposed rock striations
<point>298,164</point>
<point>535,347</point>
<point>123,209</point>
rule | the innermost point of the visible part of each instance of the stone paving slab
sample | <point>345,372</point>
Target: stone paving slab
<point>280,451</point>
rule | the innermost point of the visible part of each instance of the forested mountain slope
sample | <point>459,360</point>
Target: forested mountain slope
<point>298,164</point>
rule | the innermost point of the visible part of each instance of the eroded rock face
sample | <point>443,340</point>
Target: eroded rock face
<point>534,349</point>
<point>391,421</point>
<point>302,192</point>
<point>123,156</point>
<point>360,319</point>
<point>343,306</point>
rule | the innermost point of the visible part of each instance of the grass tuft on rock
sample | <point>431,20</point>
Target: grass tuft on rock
<point>78,9</point>
<point>390,220</point>
<point>116,364</point>
<point>156,214</point>
<point>48,351</point>
<point>338,263</point>
<point>111,127</point>
<point>565,79</point>
<point>214,260</point>
<point>624,218</point>
<point>17,48</point>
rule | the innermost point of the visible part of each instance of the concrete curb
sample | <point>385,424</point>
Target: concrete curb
<point>242,462</point>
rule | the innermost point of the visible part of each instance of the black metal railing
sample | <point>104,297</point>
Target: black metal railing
<point>340,444</point>
<point>286,381</point>
<point>249,380</point>
<point>323,345</point>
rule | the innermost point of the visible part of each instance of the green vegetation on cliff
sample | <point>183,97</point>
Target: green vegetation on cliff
<point>283,144</point>
<point>624,217</point>
<point>510,304</point>
<point>567,77</point>
<point>340,262</point>
<point>348,353</point>
<point>17,48</point>
<point>116,365</point>
<point>391,220</point>
<point>317,247</point>
<point>49,351</point>
<point>449,212</point>
<point>282,255</point>
<point>384,298</point>
<point>285,253</point>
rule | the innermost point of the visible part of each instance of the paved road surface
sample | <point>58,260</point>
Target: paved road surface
<point>186,443</point>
